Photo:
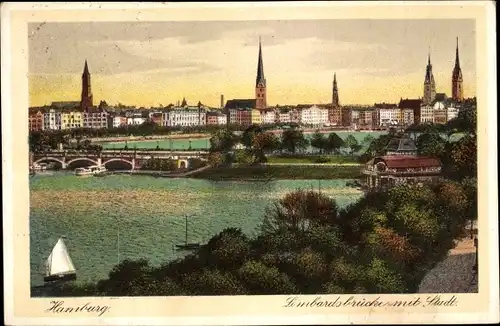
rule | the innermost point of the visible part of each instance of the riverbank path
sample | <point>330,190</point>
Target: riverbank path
<point>455,273</point>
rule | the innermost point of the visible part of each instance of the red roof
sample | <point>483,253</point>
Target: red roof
<point>396,162</point>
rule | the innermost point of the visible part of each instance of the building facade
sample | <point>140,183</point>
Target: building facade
<point>239,111</point>
<point>135,119</point>
<point>216,118</point>
<point>426,113</point>
<point>387,115</point>
<point>71,119</point>
<point>268,116</point>
<point>157,118</point>
<point>410,111</point>
<point>52,119</point>
<point>117,121</point>
<point>313,115</point>
<point>95,118</point>
<point>185,116</point>
<point>35,120</point>
<point>388,171</point>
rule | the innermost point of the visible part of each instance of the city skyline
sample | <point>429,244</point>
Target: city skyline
<point>147,64</point>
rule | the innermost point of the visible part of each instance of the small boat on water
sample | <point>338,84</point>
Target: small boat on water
<point>91,170</point>
<point>59,266</point>
<point>187,245</point>
<point>39,166</point>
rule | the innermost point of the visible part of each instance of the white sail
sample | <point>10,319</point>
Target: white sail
<point>59,261</point>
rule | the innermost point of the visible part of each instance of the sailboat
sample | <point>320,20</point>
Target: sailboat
<point>59,266</point>
<point>186,245</point>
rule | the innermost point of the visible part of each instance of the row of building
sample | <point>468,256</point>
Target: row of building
<point>67,115</point>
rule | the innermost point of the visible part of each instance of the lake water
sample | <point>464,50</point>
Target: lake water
<point>122,217</point>
<point>204,143</point>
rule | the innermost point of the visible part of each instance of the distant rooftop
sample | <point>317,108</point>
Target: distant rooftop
<point>401,144</point>
<point>240,104</point>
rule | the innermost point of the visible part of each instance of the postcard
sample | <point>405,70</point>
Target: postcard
<point>249,163</point>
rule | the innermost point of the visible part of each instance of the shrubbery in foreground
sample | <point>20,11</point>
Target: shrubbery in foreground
<point>384,243</point>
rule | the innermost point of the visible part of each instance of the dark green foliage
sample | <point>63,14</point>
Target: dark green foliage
<point>157,164</point>
<point>223,141</point>
<point>334,143</point>
<point>293,140</point>
<point>322,159</point>
<point>196,163</point>
<point>319,141</point>
<point>263,172</point>
<point>249,134</point>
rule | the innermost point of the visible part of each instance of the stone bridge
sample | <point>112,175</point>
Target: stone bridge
<point>134,158</point>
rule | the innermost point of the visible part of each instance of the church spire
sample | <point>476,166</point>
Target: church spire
<point>429,84</point>
<point>457,59</point>
<point>457,79</point>
<point>260,67</point>
<point>335,91</point>
<point>86,68</point>
<point>87,97</point>
<point>260,83</point>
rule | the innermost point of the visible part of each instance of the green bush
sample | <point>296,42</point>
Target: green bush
<point>384,243</point>
<point>322,159</point>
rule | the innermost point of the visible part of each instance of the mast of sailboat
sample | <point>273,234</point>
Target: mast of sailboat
<point>118,245</point>
<point>186,229</point>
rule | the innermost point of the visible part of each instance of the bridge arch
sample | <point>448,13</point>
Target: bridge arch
<point>119,160</point>
<point>81,159</point>
<point>49,159</point>
<point>182,163</point>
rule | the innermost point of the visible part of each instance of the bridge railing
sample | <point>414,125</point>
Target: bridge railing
<point>119,152</point>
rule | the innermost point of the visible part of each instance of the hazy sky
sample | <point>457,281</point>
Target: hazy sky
<point>152,63</point>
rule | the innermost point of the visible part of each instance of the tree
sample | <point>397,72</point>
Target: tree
<point>215,159</point>
<point>212,282</point>
<point>382,279</point>
<point>227,250</point>
<point>126,279</point>
<point>352,144</point>
<point>430,144</point>
<point>265,142</point>
<point>244,156</point>
<point>222,141</point>
<point>262,279</point>
<point>319,141</point>
<point>368,140</point>
<point>249,134</point>
<point>298,211</point>
<point>464,156</point>
<point>334,143</point>
<point>293,140</point>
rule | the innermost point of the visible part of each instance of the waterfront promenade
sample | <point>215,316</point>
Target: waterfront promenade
<point>455,273</point>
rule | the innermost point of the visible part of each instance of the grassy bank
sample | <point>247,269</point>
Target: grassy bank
<point>259,172</point>
<point>337,159</point>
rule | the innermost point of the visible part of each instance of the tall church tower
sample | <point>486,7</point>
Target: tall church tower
<point>429,84</point>
<point>335,91</point>
<point>87,98</point>
<point>457,92</point>
<point>260,84</point>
